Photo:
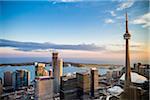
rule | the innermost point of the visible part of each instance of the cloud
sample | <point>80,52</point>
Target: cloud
<point>125,4</point>
<point>143,20</point>
<point>120,17</point>
<point>112,13</point>
<point>123,45</point>
<point>32,46</point>
<point>123,51</point>
<point>109,21</point>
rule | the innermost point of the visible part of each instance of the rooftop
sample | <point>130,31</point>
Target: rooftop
<point>43,77</point>
<point>135,78</point>
<point>83,73</point>
<point>94,68</point>
<point>116,90</point>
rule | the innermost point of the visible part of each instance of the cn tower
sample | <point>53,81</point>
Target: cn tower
<point>127,36</point>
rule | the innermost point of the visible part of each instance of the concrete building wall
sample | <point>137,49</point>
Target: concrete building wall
<point>83,82</point>
<point>44,88</point>
<point>68,88</point>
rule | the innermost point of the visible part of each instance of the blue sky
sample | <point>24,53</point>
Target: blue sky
<point>75,22</point>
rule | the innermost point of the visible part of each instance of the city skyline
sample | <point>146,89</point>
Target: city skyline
<point>82,30</point>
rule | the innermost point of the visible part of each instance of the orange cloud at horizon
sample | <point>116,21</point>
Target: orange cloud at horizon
<point>95,55</point>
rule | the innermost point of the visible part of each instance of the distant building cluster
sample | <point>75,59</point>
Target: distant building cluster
<point>142,69</point>
<point>18,81</point>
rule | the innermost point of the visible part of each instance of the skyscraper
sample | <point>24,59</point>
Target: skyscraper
<point>8,78</point>
<point>94,82</point>
<point>21,78</point>
<point>54,63</point>
<point>68,88</point>
<point>43,88</point>
<point>83,84</point>
<point>57,71</point>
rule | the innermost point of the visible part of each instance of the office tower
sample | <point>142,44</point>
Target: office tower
<point>1,87</point>
<point>21,78</point>
<point>44,88</point>
<point>94,82</point>
<point>127,36</point>
<point>57,71</point>
<point>7,78</point>
<point>83,83</point>
<point>68,88</point>
<point>54,63</point>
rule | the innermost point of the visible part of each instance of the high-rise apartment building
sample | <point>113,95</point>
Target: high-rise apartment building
<point>8,81</point>
<point>21,78</point>
<point>57,71</point>
<point>83,83</point>
<point>94,82</point>
<point>44,88</point>
<point>68,88</point>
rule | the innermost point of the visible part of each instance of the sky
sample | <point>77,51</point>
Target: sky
<point>84,30</point>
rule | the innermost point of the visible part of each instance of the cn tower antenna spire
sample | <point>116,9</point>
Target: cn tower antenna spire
<point>126,22</point>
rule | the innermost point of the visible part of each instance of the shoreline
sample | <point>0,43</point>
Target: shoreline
<point>66,64</point>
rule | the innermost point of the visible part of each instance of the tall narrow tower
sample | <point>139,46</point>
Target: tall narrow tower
<point>94,82</point>
<point>127,58</point>
<point>54,63</point>
<point>57,71</point>
<point>131,92</point>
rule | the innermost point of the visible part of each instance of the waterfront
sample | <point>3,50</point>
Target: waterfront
<point>66,70</point>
